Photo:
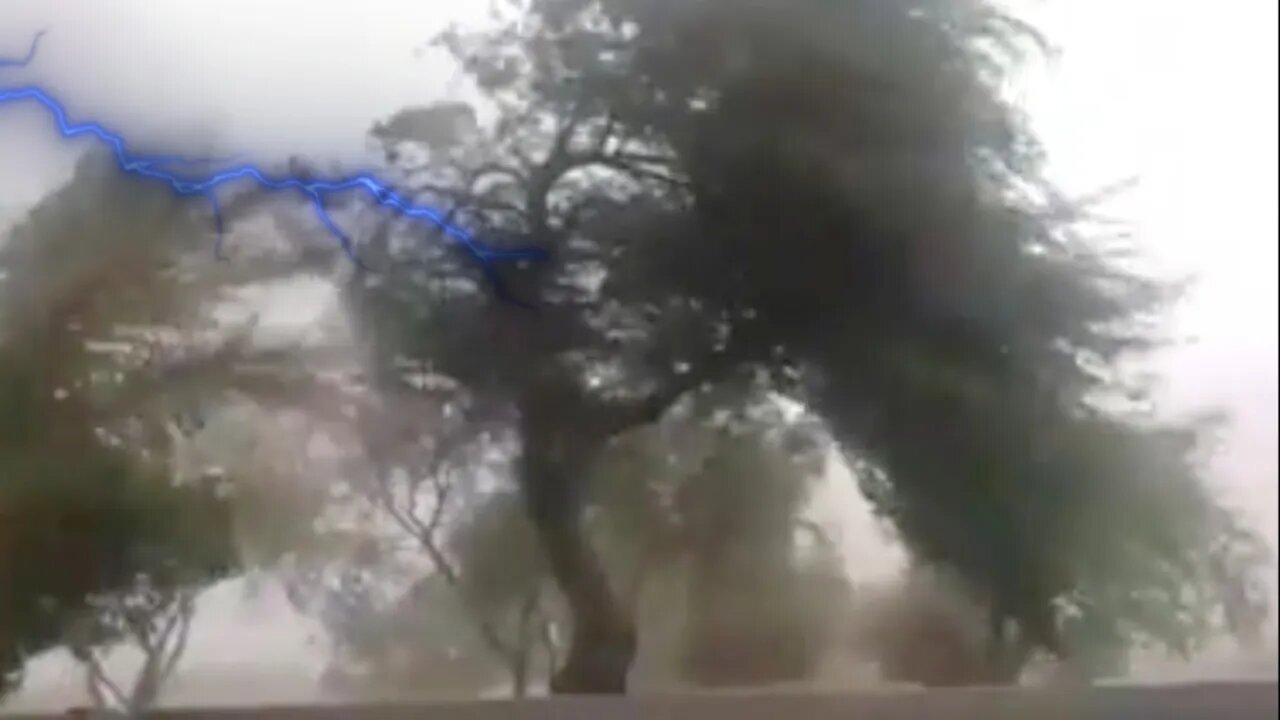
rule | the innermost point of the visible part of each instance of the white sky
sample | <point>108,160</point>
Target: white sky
<point>1183,95</point>
<point>1180,93</point>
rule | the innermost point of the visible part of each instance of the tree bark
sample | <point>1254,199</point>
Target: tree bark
<point>603,645</point>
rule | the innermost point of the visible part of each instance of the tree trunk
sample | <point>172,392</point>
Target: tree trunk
<point>603,645</point>
<point>521,655</point>
<point>519,677</point>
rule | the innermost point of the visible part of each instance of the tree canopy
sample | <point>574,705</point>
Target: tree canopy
<point>839,200</point>
<point>93,519</point>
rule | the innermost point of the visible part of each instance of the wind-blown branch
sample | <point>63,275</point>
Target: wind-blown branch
<point>425,533</point>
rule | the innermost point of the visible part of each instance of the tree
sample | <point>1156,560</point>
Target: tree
<point>706,510</point>
<point>685,515</point>
<point>81,529</point>
<point>836,197</point>
<point>476,613</point>
<point>747,621</point>
<point>425,488</point>
<point>105,352</point>
<point>156,622</point>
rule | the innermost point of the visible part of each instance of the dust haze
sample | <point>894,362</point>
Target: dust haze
<point>272,81</point>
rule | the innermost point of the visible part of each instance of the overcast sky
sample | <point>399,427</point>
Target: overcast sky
<point>1181,94</point>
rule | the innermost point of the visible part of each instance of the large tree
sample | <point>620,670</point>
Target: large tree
<point>836,195</point>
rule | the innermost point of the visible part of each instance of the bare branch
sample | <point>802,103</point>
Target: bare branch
<point>496,168</point>
<point>636,167</point>
<point>181,631</point>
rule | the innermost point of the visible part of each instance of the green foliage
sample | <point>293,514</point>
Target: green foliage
<point>83,523</point>
<point>840,199</point>
<point>92,521</point>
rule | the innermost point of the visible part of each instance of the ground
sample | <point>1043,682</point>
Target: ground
<point>1205,701</point>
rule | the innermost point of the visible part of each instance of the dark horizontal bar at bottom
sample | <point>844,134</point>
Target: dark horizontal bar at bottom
<point>1207,701</point>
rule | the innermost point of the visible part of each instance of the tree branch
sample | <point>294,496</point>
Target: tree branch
<point>615,418</point>
<point>98,680</point>
<point>185,612</point>
<point>425,534</point>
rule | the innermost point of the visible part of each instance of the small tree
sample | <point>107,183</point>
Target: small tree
<point>155,623</point>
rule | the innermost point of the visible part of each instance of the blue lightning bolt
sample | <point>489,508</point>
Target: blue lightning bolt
<point>315,191</point>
